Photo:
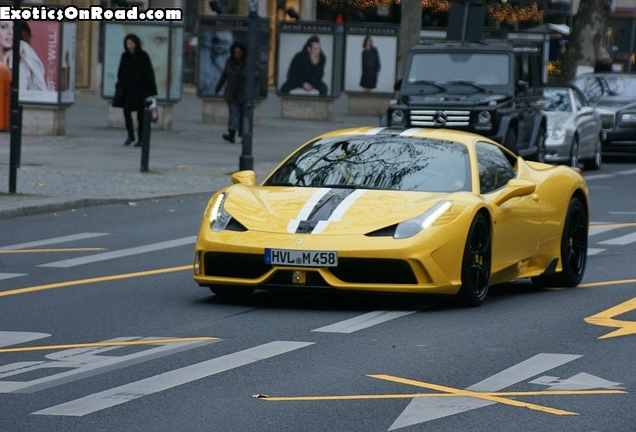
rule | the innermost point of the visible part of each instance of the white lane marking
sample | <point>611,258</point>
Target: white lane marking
<point>421,410</point>
<point>10,275</point>
<point>54,240</point>
<point>594,230</point>
<point>8,338</point>
<point>167,380</point>
<point>363,321</point>
<point>621,241</point>
<point>306,210</point>
<point>339,211</point>
<point>122,253</point>
<point>594,251</point>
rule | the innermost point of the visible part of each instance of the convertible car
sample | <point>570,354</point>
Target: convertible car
<point>403,211</point>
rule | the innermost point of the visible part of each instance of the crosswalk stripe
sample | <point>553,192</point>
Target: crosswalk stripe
<point>167,380</point>
<point>10,275</point>
<point>121,253</point>
<point>594,251</point>
<point>363,321</point>
<point>621,241</point>
<point>54,240</point>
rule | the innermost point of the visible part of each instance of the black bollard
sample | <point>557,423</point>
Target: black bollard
<point>145,142</point>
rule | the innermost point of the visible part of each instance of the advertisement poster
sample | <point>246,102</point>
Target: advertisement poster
<point>305,59</point>
<point>216,36</point>
<point>370,62</point>
<point>163,43</point>
<point>68,58</point>
<point>39,58</point>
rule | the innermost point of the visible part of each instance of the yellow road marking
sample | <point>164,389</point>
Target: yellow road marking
<point>606,318</point>
<point>95,280</point>
<point>478,395</point>
<point>605,283</point>
<point>614,225</point>
<point>17,251</point>
<point>105,344</point>
<point>425,395</point>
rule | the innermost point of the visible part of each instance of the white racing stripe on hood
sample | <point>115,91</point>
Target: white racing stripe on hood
<point>410,132</point>
<point>339,211</point>
<point>374,131</point>
<point>306,210</point>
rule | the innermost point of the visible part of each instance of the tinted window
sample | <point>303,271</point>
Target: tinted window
<point>481,68</point>
<point>378,162</point>
<point>494,168</point>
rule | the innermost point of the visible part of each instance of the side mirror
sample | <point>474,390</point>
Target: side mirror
<point>245,177</point>
<point>515,188</point>
<point>586,110</point>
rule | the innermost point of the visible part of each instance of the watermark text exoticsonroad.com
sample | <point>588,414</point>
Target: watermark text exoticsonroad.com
<point>92,13</point>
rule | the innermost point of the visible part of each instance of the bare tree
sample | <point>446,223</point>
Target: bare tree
<point>585,37</point>
<point>410,27</point>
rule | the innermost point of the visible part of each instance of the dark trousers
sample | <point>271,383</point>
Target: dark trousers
<point>129,122</point>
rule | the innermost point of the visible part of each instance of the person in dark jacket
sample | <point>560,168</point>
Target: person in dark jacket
<point>307,69</point>
<point>135,83</point>
<point>233,77</point>
<point>370,65</point>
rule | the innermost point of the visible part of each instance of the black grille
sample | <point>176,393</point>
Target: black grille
<point>235,265</point>
<point>373,270</point>
<point>607,121</point>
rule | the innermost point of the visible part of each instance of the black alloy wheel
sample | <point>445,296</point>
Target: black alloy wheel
<point>476,263</point>
<point>573,249</point>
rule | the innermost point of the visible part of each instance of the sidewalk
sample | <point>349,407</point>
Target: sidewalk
<point>90,165</point>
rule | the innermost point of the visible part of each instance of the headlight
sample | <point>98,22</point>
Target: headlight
<point>628,118</point>
<point>398,118</point>
<point>484,117</point>
<point>411,227</point>
<point>219,218</point>
<point>557,132</point>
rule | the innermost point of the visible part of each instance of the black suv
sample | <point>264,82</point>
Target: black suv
<point>490,89</point>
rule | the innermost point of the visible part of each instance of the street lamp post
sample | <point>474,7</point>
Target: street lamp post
<point>246,161</point>
<point>16,112</point>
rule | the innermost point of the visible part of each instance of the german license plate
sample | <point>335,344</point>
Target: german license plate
<point>303,258</point>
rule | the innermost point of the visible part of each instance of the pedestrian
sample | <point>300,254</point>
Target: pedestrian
<point>233,77</point>
<point>135,83</point>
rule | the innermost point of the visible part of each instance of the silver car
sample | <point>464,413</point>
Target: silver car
<point>614,96</point>
<point>574,128</point>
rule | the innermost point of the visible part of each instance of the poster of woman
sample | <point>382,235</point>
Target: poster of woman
<point>370,61</point>
<point>39,58</point>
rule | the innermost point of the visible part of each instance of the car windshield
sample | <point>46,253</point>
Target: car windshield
<point>597,86</point>
<point>479,68</point>
<point>377,162</point>
<point>557,100</point>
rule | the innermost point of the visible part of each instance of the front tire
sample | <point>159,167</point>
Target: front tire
<point>540,154</point>
<point>573,248</point>
<point>595,163</point>
<point>476,263</point>
<point>574,152</point>
<point>510,141</point>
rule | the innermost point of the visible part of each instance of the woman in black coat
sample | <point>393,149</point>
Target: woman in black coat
<point>135,82</point>
<point>233,78</point>
<point>370,65</point>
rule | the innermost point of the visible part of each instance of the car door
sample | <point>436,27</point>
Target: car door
<point>515,222</point>
<point>586,123</point>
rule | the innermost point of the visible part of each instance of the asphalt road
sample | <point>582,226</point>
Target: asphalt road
<point>84,293</point>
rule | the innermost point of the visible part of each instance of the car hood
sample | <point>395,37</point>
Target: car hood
<point>614,103</point>
<point>324,210</point>
<point>555,118</point>
<point>442,99</point>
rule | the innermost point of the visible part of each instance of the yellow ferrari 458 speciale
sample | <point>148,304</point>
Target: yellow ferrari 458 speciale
<point>404,211</point>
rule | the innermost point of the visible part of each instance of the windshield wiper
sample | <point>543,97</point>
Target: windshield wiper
<point>468,83</point>
<point>428,82</point>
